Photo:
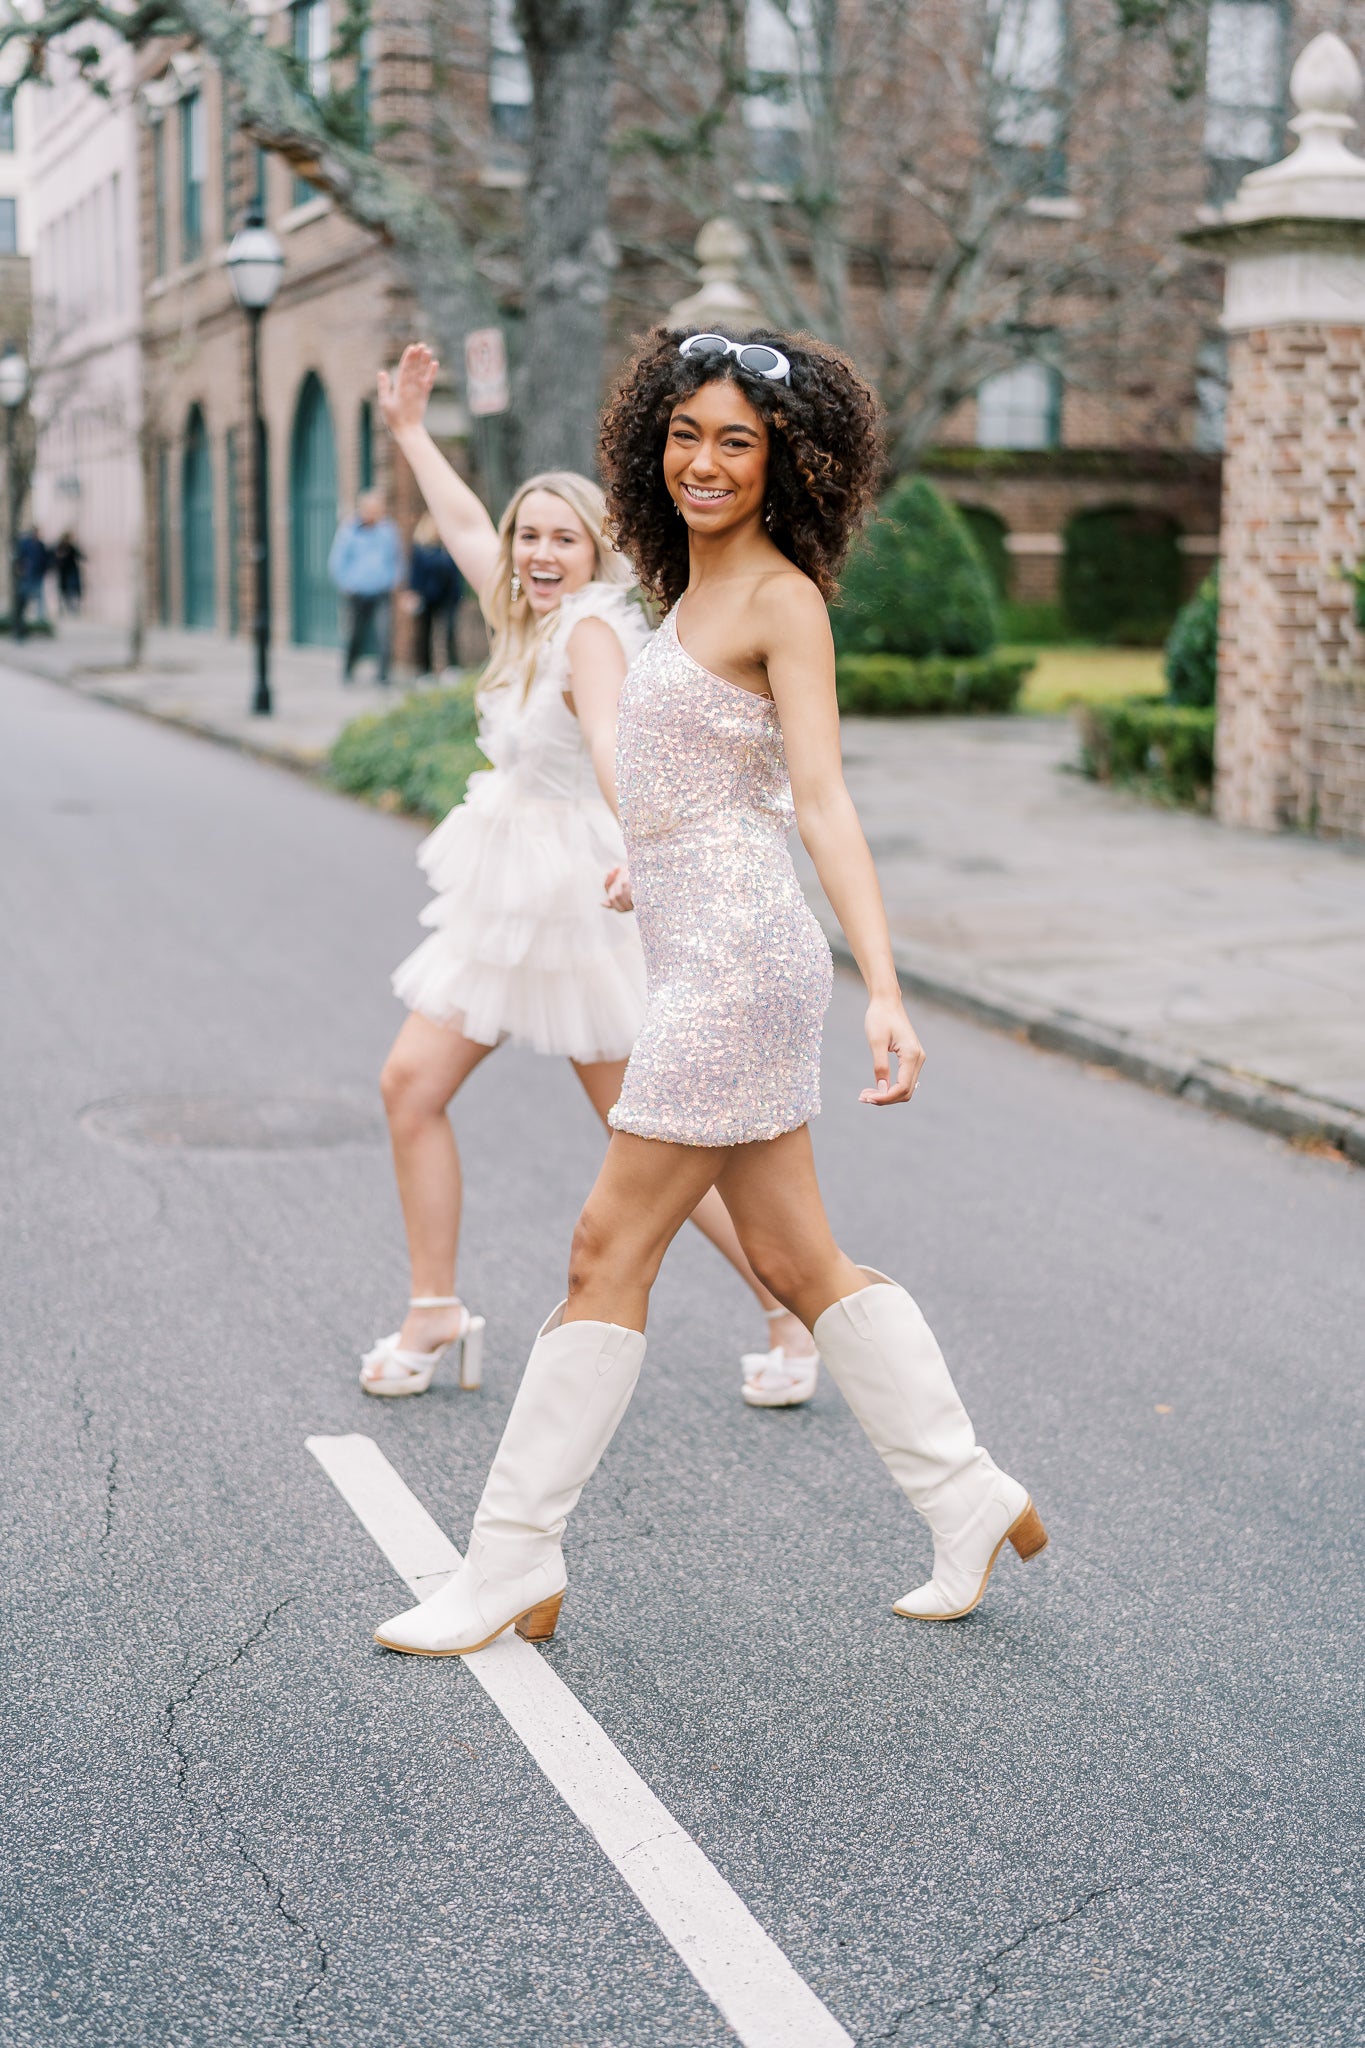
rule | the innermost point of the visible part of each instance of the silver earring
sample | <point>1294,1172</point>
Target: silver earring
<point>516,586</point>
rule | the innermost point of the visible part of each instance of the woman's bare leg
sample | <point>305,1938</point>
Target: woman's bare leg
<point>774,1197</point>
<point>640,1200</point>
<point>428,1063</point>
<point>602,1085</point>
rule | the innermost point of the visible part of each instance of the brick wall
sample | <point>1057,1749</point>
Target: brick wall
<point>1291,699</point>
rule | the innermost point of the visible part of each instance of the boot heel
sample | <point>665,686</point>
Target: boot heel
<point>471,1355</point>
<point>1028,1534</point>
<point>538,1625</point>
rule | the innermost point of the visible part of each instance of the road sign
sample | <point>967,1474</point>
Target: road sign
<point>485,371</point>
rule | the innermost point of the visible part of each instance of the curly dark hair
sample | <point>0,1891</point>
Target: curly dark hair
<point>824,453</point>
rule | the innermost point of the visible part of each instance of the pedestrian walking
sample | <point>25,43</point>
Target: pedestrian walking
<point>435,584</point>
<point>32,560</point>
<point>736,472</point>
<point>69,562</point>
<point>523,946</point>
<point>366,565</point>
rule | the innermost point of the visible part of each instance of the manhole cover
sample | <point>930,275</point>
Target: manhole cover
<point>234,1123</point>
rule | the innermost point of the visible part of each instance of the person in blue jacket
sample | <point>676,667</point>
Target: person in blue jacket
<point>436,589</point>
<point>366,565</point>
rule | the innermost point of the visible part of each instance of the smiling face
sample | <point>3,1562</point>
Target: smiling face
<point>552,550</point>
<point>716,458</point>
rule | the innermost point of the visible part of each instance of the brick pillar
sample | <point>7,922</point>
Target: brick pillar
<point>1291,661</point>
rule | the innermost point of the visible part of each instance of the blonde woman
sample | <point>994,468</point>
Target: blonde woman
<point>522,946</point>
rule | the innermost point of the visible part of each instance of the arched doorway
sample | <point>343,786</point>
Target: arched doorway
<point>1121,574</point>
<point>196,524</point>
<point>312,517</point>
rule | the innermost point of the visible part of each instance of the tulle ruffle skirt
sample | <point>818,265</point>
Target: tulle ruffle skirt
<point>521,947</point>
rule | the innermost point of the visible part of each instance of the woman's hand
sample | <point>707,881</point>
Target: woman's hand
<point>617,886</point>
<point>890,1033</point>
<point>403,397</point>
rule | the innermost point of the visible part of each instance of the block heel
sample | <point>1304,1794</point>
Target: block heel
<point>538,1624</point>
<point>1028,1534</point>
<point>471,1355</point>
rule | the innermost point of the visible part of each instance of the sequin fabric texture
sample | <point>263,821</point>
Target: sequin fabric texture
<point>739,971</point>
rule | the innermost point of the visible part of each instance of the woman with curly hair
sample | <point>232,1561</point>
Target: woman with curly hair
<point>522,946</point>
<point>736,471</point>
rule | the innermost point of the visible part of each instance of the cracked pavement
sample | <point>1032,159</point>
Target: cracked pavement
<point>1121,1805</point>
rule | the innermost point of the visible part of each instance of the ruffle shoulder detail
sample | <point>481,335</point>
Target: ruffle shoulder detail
<point>615,605</point>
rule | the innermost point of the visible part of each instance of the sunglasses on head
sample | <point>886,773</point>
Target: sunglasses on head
<point>754,356</point>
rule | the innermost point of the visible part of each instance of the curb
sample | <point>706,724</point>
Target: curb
<point>1288,1112</point>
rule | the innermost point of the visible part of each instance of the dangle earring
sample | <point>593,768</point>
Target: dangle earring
<point>516,586</point>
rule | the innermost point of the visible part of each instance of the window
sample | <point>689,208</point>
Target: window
<point>1020,408</point>
<point>509,76</point>
<point>1244,90</point>
<point>780,54</point>
<point>193,171</point>
<point>258,190</point>
<point>365,446</point>
<point>6,122</point>
<point>9,227</point>
<point>227,135</point>
<point>159,197</point>
<point>1210,395</point>
<point>312,52</point>
<point>364,78</point>
<point>1027,71</point>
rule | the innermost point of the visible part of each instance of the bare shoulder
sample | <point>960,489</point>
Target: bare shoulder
<point>593,639</point>
<point>790,612</point>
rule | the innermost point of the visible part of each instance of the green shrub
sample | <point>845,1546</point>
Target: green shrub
<point>418,757</point>
<point>892,686</point>
<point>915,583</point>
<point>1121,575</point>
<point>989,531</point>
<point>1165,749</point>
<point>1192,650</point>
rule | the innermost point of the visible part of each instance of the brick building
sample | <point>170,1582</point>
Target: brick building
<point>1134,433</point>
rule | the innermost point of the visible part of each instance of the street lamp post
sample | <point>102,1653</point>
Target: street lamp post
<point>254,263</point>
<point>13,391</point>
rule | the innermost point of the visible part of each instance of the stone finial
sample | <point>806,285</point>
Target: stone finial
<point>722,300</point>
<point>1321,179</point>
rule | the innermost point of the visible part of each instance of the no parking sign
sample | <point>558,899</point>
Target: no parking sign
<point>485,371</point>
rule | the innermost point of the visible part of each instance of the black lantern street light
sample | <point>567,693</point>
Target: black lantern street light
<point>254,263</point>
<point>13,391</point>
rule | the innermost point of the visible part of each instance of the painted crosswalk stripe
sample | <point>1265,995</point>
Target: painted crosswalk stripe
<point>739,1967</point>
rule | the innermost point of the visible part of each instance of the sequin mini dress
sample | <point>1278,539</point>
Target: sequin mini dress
<point>738,970</point>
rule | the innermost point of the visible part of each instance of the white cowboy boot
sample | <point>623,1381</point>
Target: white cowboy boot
<point>888,1366</point>
<point>576,1387</point>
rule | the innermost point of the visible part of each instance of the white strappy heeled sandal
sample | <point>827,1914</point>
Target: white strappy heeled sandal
<point>388,1370</point>
<point>773,1380</point>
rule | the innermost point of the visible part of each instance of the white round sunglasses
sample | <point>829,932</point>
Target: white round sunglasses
<point>754,356</point>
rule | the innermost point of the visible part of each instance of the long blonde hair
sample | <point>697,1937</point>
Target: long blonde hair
<point>517,635</point>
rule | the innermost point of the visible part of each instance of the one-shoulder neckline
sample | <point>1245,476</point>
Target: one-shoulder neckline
<point>755,696</point>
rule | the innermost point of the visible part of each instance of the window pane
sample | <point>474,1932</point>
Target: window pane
<point>509,76</point>
<point>9,227</point>
<point>1244,80</point>
<point>1020,408</point>
<point>6,122</point>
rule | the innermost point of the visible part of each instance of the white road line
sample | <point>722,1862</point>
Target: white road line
<point>738,1966</point>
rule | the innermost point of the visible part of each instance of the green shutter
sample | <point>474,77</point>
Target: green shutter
<point>196,525</point>
<point>312,518</point>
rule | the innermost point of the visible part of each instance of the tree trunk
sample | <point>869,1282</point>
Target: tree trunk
<point>568,254</point>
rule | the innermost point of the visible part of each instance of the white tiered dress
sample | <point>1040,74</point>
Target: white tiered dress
<point>521,946</point>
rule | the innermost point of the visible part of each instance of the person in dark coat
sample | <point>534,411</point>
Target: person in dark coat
<point>32,560</point>
<point>435,584</point>
<point>69,562</point>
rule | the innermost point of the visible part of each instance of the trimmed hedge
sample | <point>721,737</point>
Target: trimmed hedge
<point>892,686</point>
<point>1192,650</point>
<point>1121,575</point>
<point>915,583</point>
<point>418,757</point>
<point>1163,749</point>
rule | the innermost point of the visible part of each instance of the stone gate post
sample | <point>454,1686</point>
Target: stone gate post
<point>1291,660</point>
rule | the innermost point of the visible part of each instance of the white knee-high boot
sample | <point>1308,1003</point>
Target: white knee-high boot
<point>887,1364</point>
<point>576,1387</point>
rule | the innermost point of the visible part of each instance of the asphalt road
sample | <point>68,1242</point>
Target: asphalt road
<point>1121,1805</point>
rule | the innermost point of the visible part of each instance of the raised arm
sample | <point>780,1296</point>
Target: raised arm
<point>800,663</point>
<point>462,519</point>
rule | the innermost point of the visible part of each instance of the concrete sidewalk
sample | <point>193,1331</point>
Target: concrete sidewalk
<point>1225,967</point>
<point>205,681</point>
